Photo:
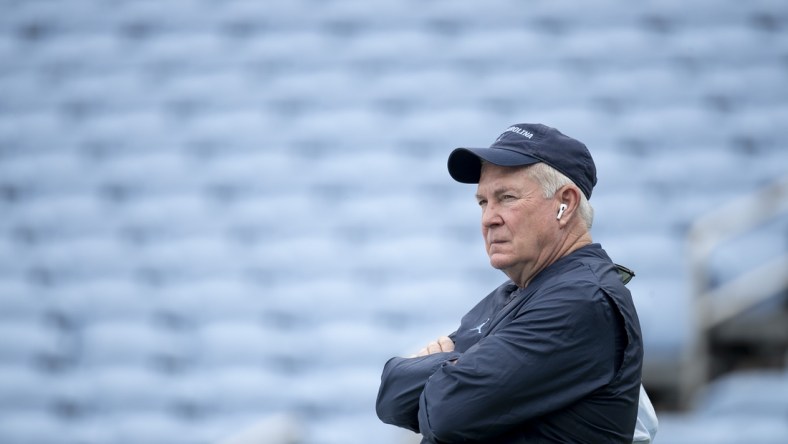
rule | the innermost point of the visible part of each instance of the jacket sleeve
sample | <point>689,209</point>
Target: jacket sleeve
<point>401,385</point>
<point>549,356</point>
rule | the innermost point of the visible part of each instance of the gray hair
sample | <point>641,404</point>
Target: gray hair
<point>552,180</point>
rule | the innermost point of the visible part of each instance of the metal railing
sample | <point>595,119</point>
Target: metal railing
<point>713,306</point>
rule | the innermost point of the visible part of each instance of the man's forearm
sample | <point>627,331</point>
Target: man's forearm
<point>401,385</point>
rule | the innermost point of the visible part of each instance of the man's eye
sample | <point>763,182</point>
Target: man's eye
<point>482,203</point>
<point>507,197</point>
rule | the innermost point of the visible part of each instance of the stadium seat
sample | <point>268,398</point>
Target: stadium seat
<point>643,87</point>
<point>658,298</point>
<point>744,253</point>
<point>545,87</point>
<point>350,391</point>
<point>621,208</point>
<point>152,427</point>
<point>33,131</point>
<point>186,50</point>
<point>490,47</point>
<point>212,255</point>
<point>251,215</point>
<point>633,46</point>
<point>15,257</point>
<point>125,388</point>
<point>453,127</point>
<point>200,301</point>
<point>249,389</point>
<point>387,48</point>
<point>113,90</point>
<point>23,387</point>
<point>245,129</point>
<point>212,90</point>
<point>134,343</point>
<point>166,215</point>
<point>650,254</point>
<point>418,255</point>
<point>85,256</point>
<point>335,296</point>
<point>674,126</point>
<point>320,255</point>
<point>252,343</point>
<point>352,343</point>
<point>156,172</point>
<point>741,44</point>
<point>20,90</point>
<point>276,50</point>
<point>332,429</point>
<point>425,88</point>
<point>253,171</point>
<point>28,341</point>
<point>275,429</point>
<point>329,88</point>
<point>730,430</point>
<point>744,86</point>
<point>67,214</point>
<point>756,126</point>
<point>33,426</point>
<point>107,134</point>
<point>757,394</point>
<point>105,299</point>
<point>380,171</point>
<point>21,300</point>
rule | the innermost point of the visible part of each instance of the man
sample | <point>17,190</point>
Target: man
<point>552,355</point>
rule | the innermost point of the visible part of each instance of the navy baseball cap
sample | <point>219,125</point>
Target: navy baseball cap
<point>526,144</point>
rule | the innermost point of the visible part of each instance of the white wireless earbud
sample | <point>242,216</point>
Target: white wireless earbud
<point>561,210</point>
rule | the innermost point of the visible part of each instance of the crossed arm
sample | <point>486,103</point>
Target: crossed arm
<point>404,412</point>
<point>404,380</point>
<point>538,363</point>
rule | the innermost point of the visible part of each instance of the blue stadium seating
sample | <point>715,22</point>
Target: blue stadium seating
<point>25,341</point>
<point>129,342</point>
<point>211,212</point>
<point>657,299</point>
<point>20,300</point>
<point>238,388</point>
<point>120,298</point>
<point>202,301</point>
<point>246,343</point>
<point>755,394</point>
<point>736,430</point>
<point>23,387</point>
<point>22,426</point>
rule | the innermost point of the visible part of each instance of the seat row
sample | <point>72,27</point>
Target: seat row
<point>728,87</point>
<point>92,14</point>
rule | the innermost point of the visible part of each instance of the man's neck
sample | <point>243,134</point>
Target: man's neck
<point>571,244</point>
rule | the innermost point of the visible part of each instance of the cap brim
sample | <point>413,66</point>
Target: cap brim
<point>465,163</point>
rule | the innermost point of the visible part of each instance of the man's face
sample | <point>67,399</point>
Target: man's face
<point>518,223</point>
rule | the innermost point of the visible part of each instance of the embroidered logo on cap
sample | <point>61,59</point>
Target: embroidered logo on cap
<point>520,131</point>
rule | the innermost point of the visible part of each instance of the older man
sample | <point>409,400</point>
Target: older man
<point>552,355</point>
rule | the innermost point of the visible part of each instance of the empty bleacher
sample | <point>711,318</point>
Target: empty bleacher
<point>213,213</point>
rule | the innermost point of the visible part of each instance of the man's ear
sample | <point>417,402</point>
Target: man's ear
<point>568,201</point>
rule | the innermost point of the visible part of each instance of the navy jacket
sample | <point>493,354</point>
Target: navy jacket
<point>557,361</point>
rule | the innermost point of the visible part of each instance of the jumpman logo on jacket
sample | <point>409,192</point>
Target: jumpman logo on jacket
<point>479,328</point>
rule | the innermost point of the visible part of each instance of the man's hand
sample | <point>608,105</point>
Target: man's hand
<point>442,344</point>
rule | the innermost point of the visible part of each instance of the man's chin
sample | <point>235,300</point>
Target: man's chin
<point>499,263</point>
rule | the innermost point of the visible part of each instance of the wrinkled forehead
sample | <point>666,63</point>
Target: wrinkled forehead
<point>493,178</point>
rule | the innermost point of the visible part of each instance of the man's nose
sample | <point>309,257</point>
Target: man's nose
<point>490,216</point>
